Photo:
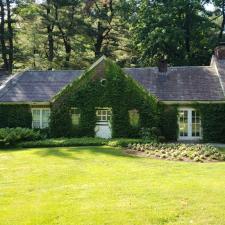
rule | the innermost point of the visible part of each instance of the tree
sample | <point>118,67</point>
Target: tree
<point>6,35</point>
<point>179,30</point>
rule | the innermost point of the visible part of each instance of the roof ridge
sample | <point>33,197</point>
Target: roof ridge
<point>179,67</point>
<point>51,70</point>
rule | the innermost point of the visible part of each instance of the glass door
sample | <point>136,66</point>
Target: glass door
<point>189,124</point>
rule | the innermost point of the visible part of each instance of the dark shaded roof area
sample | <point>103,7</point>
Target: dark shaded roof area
<point>190,83</point>
<point>36,86</point>
<point>180,83</point>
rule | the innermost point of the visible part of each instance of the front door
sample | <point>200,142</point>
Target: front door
<point>103,125</point>
<point>189,124</point>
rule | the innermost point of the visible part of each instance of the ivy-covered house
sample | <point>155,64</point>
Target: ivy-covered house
<point>183,103</point>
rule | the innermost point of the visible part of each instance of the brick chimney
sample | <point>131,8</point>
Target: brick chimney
<point>162,66</point>
<point>220,51</point>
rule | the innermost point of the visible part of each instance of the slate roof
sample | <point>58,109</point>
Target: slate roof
<point>181,83</point>
<point>198,83</point>
<point>36,86</point>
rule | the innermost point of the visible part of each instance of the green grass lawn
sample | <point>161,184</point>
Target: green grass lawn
<point>102,185</point>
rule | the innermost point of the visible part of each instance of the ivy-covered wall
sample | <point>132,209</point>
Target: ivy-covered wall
<point>118,91</point>
<point>213,122</point>
<point>168,121</point>
<point>15,116</point>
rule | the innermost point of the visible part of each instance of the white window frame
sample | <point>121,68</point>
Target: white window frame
<point>107,110</point>
<point>189,118</point>
<point>41,117</point>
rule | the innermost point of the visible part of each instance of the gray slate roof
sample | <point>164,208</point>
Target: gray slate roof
<point>36,86</point>
<point>178,84</point>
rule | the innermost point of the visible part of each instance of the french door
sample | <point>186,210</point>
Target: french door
<point>189,124</point>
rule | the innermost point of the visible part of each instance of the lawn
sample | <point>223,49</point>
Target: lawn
<point>102,185</point>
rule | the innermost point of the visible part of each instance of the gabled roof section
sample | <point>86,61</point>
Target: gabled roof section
<point>36,86</point>
<point>189,83</point>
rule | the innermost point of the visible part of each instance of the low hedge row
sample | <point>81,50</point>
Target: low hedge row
<point>71,142</point>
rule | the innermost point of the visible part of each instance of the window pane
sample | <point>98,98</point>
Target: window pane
<point>36,118</point>
<point>183,124</point>
<point>45,117</point>
<point>103,115</point>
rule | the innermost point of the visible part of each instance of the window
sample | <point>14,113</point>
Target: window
<point>103,115</point>
<point>134,117</point>
<point>196,124</point>
<point>40,117</point>
<point>75,116</point>
<point>189,124</point>
<point>183,123</point>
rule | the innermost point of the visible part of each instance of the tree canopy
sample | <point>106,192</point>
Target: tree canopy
<point>72,34</point>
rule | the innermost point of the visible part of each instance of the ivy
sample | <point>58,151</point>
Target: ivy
<point>118,91</point>
<point>168,121</point>
<point>213,122</point>
<point>15,116</point>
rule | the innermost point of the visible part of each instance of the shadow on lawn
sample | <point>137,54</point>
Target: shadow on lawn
<point>68,152</point>
<point>58,152</point>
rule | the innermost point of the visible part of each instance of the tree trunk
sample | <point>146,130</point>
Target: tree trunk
<point>10,36</point>
<point>99,41</point>
<point>223,22</point>
<point>50,28</point>
<point>2,35</point>
<point>65,38</point>
<point>187,29</point>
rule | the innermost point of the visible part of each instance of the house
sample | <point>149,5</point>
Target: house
<point>196,92</point>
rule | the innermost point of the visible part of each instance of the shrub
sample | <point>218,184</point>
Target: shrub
<point>182,152</point>
<point>11,136</point>
<point>85,141</point>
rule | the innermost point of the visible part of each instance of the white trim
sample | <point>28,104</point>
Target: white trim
<point>189,124</point>
<point>41,116</point>
<point>214,64</point>
<point>191,102</point>
<point>26,103</point>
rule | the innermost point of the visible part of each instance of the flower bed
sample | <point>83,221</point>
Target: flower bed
<point>180,152</point>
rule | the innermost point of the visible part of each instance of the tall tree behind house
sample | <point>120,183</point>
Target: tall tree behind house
<point>179,29</point>
<point>6,34</point>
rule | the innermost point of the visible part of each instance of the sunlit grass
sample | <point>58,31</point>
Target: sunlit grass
<point>102,185</point>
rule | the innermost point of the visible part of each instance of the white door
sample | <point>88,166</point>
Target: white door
<point>189,124</point>
<point>103,125</point>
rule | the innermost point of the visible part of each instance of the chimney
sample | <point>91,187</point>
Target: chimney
<point>220,51</point>
<point>162,66</point>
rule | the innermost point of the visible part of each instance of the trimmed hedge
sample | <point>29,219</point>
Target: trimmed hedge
<point>119,92</point>
<point>85,141</point>
<point>12,136</point>
<point>15,116</point>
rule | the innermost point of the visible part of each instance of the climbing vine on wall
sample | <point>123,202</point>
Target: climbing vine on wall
<point>118,91</point>
<point>15,116</point>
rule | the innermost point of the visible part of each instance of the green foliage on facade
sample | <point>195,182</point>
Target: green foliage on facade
<point>105,85</point>
<point>213,122</point>
<point>168,121</point>
<point>15,116</point>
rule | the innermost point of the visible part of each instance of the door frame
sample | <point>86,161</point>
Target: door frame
<point>101,122</point>
<point>189,137</point>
